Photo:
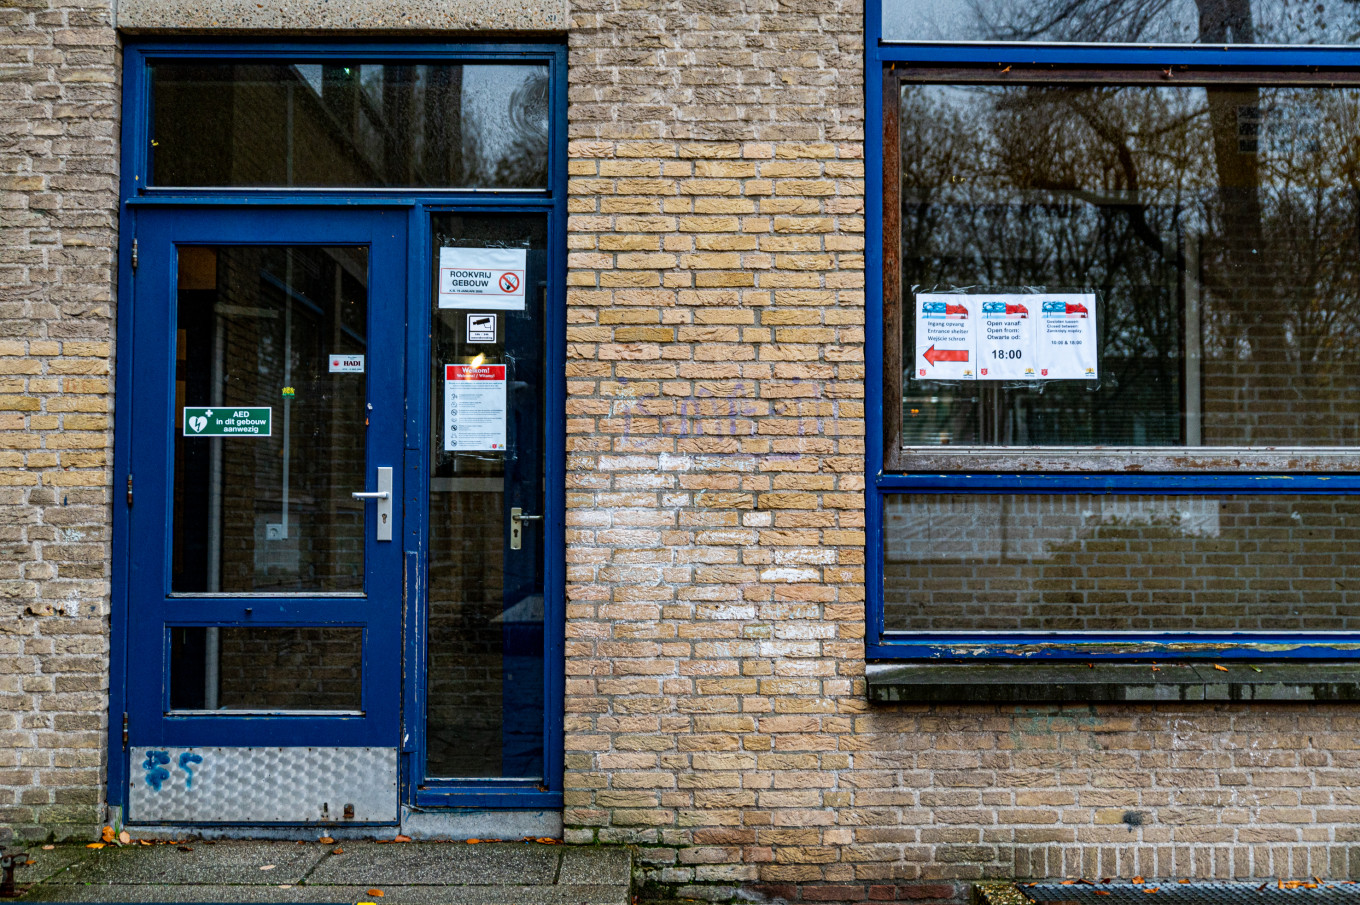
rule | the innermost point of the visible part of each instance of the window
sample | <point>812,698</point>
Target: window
<point>1117,332</point>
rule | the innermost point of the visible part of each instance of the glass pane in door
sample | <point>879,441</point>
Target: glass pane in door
<point>485,682</point>
<point>270,419</point>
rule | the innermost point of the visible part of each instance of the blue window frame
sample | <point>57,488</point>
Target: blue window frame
<point>999,474</point>
<point>413,207</point>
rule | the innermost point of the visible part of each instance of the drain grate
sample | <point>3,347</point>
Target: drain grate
<point>1122,892</point>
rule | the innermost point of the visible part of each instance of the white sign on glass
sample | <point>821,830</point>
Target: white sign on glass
<point>474,408</point>
<point>1010,336</point>
<point>488,279</point>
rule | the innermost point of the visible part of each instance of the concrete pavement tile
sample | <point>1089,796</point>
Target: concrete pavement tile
<point>182,893</point>
<point>48,864</point>
<point>526,894</point>
<point>212,864</point>
<point>447,863</point>
<point>595,866</point>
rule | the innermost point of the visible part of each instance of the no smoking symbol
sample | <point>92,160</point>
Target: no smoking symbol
<point>509,282</point>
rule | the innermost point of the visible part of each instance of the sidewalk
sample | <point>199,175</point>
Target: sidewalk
<point>422,873</point>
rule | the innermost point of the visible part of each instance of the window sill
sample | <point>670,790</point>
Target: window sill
<point>1061,683</point>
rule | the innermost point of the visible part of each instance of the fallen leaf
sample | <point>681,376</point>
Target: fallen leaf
<point>1107,879</point>
<point>547,840</point>
<point>1256,668</point>
<point>144,842</point>
<point>267,867</point>
<point>107,835</point>
<point>95,845</point>
<point>473,841</point>
<point>337,851</point>
<point>1150,889</point>
<point>48,848</point>
<point>402,839</point>
<point>29,863</point>
<point>327,840</point>
<point>1137,879</point>
<point>1102,892</point>
<point>1220,667</point>
<point>1068,882</point>
<point>1263,886</point>
<point>125,837</point>
<point>376,893</point>
<point>1182,881</point>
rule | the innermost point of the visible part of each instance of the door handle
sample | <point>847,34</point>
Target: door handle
<point>383,496</point>
<point>517,520</point>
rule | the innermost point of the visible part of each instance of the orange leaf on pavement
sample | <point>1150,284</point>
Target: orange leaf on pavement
<point>95,845</point>
<point>107,835</point>
<point>1220,668</point>
<point>326,840</point>
<point>402,839</point>
<point>376,893</point>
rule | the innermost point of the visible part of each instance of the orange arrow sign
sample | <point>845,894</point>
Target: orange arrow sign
<point>933,355</point>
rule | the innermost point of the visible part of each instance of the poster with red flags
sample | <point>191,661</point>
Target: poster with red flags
<point>1010,336</point>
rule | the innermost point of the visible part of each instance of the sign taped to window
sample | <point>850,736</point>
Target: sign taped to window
<point>487,279</point>
<point>1009,336</point>
<point>474,408</point>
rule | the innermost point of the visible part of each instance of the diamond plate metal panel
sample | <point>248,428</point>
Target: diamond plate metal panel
<point>262,785</point>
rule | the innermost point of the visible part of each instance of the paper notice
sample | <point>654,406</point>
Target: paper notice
<point>1005,337</point>
<point>474,407</point>
<point>1065,337</point>
<point>487,279</point>
<point>945,336</point>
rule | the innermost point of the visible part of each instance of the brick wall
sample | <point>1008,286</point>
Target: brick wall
<point>715,435</point>
<point>58,196</point>
<point>716,714</point>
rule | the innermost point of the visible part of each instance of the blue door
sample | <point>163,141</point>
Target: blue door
<point>265,489</point>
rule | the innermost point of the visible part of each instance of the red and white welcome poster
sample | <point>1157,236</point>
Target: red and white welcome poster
<point>474,408</point>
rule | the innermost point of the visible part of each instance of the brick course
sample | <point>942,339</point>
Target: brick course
<point>58,197</point>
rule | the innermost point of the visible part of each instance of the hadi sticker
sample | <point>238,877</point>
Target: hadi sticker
<point>346,364</point>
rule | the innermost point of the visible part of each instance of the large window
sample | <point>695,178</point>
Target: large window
<point>1117,332</point>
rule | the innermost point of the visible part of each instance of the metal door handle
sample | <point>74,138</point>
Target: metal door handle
<point>383,495</point>
<point>517,520</point>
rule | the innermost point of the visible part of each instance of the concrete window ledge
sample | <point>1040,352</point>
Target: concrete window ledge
<point>956,682</point>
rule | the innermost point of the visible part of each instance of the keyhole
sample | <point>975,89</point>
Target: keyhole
<point>384,518</point>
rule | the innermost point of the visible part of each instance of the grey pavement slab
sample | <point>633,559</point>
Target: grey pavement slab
<point>47,864</point>
<point>423,863</point>
<point>206,863</point>
<point>595,866</point>
<point>433,873</point>
<point>392,895</point>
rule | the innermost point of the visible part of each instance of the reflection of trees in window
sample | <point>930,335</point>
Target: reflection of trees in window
<point>1244,196</point>
<point>1128,21</point>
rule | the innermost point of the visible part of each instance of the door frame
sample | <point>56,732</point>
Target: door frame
<point>135,197</point>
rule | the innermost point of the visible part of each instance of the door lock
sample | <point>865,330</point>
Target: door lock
<point>517,520</point>
<point>383,495</point>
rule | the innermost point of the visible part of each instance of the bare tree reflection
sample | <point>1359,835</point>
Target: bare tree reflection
<point>1242,198</point>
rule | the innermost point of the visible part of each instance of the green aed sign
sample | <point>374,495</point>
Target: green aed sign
<point>224,421</point>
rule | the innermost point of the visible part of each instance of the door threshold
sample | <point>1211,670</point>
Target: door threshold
<point>478,823</point>
<point>455,824</point>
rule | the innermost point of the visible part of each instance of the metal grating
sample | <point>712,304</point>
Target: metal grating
<point>1173,892</point>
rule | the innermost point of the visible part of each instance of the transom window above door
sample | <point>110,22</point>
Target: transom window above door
<point>338,123</point>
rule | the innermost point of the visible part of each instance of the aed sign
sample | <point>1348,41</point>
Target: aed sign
<point>345,364</point>
<point>225,421</point>
<point>489,279</point>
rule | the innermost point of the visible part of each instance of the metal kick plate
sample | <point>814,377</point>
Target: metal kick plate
<point>262,785</point>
